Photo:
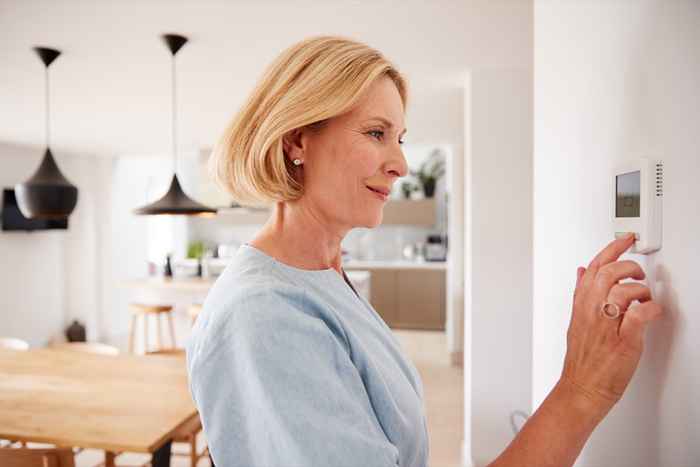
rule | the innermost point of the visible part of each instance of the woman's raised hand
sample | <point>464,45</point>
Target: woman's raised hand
<point>603,353</point>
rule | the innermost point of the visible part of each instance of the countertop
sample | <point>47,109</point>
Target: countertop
<point>393,264</point>
<point>202,284</point>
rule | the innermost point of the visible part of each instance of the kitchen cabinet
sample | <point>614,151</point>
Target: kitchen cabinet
<point>410,212</point>
<point>410,298</point>
<point>383,293</point>
<point>420,212</point>
<point>421,299</point>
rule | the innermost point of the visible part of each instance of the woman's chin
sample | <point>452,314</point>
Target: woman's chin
<point>373,221</point>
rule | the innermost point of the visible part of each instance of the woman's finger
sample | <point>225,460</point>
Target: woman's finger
<point>634,323</point>
<point>624,294</point>
<point>611,274</point>
<point>611,252</point>
<point>607,255</point>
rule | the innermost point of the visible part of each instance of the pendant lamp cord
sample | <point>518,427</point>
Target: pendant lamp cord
<point>48,108</point>
<point>174,118</point>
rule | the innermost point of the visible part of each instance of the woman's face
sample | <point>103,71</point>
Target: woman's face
<point>351,153</point>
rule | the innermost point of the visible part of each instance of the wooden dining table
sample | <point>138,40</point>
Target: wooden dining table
<point>123,403</point>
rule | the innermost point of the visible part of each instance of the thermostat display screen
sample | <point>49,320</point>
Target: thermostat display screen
<point>628,193</point>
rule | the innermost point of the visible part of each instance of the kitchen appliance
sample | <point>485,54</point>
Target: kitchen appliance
<point>436,248</point>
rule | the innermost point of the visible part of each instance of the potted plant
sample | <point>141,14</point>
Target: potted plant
<point>407,188</point>
<point>195,250</point>
<point>430,172</point>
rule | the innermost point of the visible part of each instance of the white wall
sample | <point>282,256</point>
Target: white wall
<point>498,261</point>
<point>49,278</point>
<point>619,80</point>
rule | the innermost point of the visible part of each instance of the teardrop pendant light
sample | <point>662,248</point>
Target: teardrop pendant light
<point>175,201</point>
<point>47,194</point>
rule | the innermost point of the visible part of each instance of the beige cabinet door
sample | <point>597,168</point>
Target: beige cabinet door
<point>383,294</point>
<point>421,299</point>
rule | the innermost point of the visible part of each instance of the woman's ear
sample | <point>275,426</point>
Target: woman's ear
<point>293,145</point>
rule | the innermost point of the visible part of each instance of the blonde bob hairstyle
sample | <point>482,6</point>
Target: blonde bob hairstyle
<point>310,82</point>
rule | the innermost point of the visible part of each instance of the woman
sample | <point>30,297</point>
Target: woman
<point>288,365</point>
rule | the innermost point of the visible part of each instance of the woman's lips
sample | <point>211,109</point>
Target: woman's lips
<point>378,194</point>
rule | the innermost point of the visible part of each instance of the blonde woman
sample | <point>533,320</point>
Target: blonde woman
<point>288,364</point>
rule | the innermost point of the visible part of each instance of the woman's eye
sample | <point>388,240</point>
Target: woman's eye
<point>379,134</point>
<point>376,133</point>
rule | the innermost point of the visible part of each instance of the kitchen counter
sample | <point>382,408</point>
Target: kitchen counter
<point>202,284</point>
<point>394,264</point>
<point>185,284</point>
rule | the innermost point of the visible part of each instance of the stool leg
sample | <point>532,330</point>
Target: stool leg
<point>172,329</point>
<point>132,333</point>
<point>145,332</point>
<point>160,333</point>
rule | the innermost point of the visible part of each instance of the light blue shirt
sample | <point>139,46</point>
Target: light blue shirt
<point>289,367</point>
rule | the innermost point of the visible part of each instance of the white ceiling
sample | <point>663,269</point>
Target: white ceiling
<point>111,86</point>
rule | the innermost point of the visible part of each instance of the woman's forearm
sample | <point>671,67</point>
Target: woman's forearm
<point>556,432</point>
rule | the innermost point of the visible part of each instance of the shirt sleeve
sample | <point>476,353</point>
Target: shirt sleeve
<point>276,387</point>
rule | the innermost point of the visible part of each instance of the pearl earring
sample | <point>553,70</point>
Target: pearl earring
<point>297,161</point>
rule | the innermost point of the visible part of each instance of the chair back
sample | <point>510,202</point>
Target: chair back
<point>31,457</point>
<point>89,347</point>
<point>13,344</point>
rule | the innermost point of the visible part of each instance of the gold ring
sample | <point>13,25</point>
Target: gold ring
<point>605,310</point>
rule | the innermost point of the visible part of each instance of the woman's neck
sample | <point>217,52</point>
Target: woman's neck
<point>297,236</point>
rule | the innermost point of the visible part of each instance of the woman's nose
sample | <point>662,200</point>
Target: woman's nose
<point>397,165</point>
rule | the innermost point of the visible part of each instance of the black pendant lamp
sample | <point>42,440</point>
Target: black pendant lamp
<point>47,194</point>
<point>175,201</point>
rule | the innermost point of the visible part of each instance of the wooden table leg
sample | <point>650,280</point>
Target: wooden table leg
<point>109,459</point>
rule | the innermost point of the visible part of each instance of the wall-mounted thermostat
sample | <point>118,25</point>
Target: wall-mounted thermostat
<point>637,196</point>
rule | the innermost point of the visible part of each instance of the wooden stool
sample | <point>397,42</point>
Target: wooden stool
<point>139,309</point>
<point>194,310</point>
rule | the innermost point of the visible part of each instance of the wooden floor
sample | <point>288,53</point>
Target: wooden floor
<point>444,394</point>
<point>443,386</point>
